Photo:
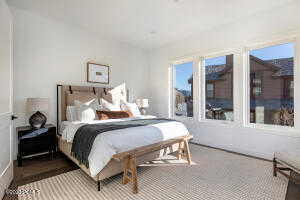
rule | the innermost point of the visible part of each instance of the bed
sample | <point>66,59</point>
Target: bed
<point>109,146</point>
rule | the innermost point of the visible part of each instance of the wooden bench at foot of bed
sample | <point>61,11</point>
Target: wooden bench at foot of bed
<point>129,157</point>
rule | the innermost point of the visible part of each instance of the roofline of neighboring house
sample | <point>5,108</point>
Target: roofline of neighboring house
<point>228,68</point>
<point>274,67</point>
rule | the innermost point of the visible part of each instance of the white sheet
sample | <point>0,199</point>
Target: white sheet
<point>109,143</point>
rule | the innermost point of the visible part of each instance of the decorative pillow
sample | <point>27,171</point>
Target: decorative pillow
<point>109,106</point>
<point>71,113</point>
<point>103,115</point>
<point>85,113</point>
<point>132,107</point>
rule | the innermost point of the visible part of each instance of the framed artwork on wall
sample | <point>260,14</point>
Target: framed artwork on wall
<point>97,73</point>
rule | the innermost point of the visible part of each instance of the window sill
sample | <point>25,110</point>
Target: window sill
<point>207,121</point>
<point>218,122</point>
<point>275,130</point>
<point>265,129</point>
<point>179,118</point>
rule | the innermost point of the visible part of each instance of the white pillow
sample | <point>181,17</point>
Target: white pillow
<point>132,107</point>
<point>71,113</point>
<point>92,103</point>
<point>109,106</point>
<point>85,113</point>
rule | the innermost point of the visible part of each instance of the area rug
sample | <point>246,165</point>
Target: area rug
<point>216,175</point>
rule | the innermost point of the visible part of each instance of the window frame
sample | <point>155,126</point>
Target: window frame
<point>247,90</point>
<point>241,87</point>
<point>202,87</point>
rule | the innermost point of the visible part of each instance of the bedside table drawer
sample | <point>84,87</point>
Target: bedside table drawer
<point>36,145</point>
<point>33,149</point>
<point>32,142</point>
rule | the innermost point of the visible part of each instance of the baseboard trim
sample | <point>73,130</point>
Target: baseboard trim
<point>230,151</point>
<point>5,179</point>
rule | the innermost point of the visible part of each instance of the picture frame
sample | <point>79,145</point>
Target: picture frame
<point>97,73</point>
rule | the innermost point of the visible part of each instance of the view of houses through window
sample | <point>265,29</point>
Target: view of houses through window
<point>184,89</point>
<point>272,85</point>
<point>219,88</point>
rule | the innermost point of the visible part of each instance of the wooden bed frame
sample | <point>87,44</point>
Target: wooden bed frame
<point>125,162</point>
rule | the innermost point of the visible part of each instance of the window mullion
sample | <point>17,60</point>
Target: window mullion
<point>296,83</point>
<point>172,74</point>
<point>196,92</point>
<point>202,88</point>
<point>238,89</point>
<point>246,88</point>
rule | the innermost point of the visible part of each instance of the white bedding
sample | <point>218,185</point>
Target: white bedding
<point>109,143</point>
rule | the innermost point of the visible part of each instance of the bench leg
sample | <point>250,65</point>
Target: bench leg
<point>134,176</point>
<point>180,149</point>
<point>126,171</point>
<point>274,167</point>
<point>99,185</point>
<point>187,152</point>
<point>130,173</point>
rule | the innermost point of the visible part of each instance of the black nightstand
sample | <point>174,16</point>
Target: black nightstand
<point>31,142</point>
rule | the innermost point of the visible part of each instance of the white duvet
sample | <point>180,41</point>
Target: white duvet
<point>109,143</point>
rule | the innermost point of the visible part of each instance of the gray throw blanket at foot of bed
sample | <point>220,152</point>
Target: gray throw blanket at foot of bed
<point>85,135</point>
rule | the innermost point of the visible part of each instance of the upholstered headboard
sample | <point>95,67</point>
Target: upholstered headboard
<point>66,94</point>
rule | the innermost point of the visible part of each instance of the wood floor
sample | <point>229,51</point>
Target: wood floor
<point>41,167</point>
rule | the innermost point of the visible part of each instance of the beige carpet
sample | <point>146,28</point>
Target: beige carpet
<point>216,175</point>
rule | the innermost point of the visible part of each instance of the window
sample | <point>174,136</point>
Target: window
<point>210,90</point>
<point>288,89</point>
<point>256,84</point>
<point>183,90</point>
<point>272,85</point>
<point>219,88</point>
<point>291,89</point>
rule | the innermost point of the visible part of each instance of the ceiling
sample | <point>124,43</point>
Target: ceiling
<point>147,23</point>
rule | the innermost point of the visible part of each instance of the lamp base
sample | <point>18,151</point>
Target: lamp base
<point>37,120</point>
<point>143,111</point>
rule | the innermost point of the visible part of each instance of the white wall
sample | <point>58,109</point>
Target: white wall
<point>5,57</point>
<point>48,52</point>
<point>263,27</point>
<point>6,172</point>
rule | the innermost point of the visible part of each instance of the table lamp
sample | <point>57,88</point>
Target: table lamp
<point>142,104</point>
<point>37,106</point>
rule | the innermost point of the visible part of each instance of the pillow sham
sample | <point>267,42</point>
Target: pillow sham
<point>86,113</point>
<point>94,103</point>
<point>103,115</point>
<point>132,107</point>
<point>71,113</point>
<point>109,106</point>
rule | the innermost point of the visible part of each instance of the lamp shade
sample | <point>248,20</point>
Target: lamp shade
<point>37,104</point>
<point>142,103</point>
